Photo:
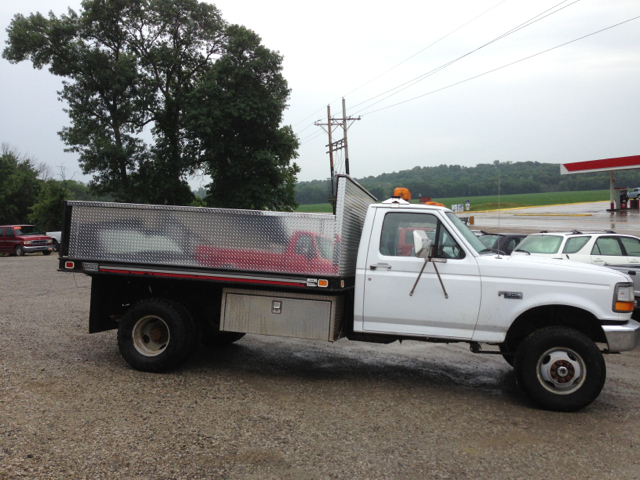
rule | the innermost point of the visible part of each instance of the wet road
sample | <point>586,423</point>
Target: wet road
<point>271,408</point>
<point>582,216</point>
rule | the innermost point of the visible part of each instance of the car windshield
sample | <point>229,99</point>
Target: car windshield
<point>28,230</point>
<point>540,244</point>
<point>468,235</point>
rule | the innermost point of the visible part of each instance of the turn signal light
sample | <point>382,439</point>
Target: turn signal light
<point>323,283</point>
<point>624,306</point>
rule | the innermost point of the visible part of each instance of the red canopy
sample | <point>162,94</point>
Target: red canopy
<point>604,165</point>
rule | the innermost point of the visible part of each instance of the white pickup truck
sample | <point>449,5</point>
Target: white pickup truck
<point>167,277</point>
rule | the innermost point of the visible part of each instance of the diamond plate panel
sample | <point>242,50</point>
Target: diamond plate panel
<point>250,240</point>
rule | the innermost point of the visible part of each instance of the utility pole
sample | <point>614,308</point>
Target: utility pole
<point>333,123</point>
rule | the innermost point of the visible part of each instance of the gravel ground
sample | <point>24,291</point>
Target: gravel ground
<point>269,408</point>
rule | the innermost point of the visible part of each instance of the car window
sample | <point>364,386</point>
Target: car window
<point>304,246</point>
<point>631,245</point>
<point>488,240</point>
<point>511,244</point>
<point>575,244</point>
<point>607,246</point>
<point>540,244</point>
<point>395,228</point>
<point>1,232</point>
<point>9,233</point>
<point>468,235</point>
<point>325,248</point>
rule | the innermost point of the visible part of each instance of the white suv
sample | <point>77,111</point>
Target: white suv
<point>599,248</point>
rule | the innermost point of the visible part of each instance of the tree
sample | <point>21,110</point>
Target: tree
<point>19,185</point>
<point>47,212</point>
<point>131,65</point>
<point>235,117</point>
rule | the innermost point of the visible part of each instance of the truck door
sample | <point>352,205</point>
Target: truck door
<point>390,275</point>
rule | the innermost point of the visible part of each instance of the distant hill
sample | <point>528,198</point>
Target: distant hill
<point>456,181</point>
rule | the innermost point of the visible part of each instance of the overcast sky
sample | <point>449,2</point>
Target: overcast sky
<point>579,102</point>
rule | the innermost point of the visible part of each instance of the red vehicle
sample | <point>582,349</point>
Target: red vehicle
<point>21,239</point>
<point>306,252</point>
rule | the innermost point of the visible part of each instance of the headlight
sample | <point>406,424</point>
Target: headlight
<point>624,300</point>
<point>27,242</point>
<point>50,241</point>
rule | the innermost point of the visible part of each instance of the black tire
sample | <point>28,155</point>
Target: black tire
<point>171,325</point>
<point>46,252</point>
<point>507,353</point>
<point>220,339</point>
<point>19,251</point>
<point>56,245</point>
<point>560,368</point>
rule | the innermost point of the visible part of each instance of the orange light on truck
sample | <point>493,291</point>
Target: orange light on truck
<point>624,306</point>
<point>323,283</point>
<point>403,193</point>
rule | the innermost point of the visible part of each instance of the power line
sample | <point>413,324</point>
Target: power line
<point>424,76</point>
<point>405,60</point>
<point>505,66</point>
<point>425,48</point>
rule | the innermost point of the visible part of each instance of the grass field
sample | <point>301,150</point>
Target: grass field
<point>490,202</point>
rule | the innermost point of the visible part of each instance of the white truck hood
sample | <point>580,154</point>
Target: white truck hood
<point>532,267</point>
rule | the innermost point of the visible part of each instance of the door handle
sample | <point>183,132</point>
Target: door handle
<point>598,260</point>
<point>634,260</point>
<point>380,265</point>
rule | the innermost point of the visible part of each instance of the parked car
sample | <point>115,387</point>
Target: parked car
<point>502,243</point>
<point>21,239</point>
<point>598,248</point>
<point>633,192</point>
<point>57,239</point>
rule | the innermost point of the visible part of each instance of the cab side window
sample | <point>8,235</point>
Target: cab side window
<point>396,239</point>
<point>9,232</point>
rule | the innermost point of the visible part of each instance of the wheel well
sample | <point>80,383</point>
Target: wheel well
<point>554,315</point>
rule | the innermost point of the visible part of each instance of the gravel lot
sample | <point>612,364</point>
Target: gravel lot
<point>269,408</point>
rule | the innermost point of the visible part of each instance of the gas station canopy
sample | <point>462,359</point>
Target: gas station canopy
<point>605,165</point>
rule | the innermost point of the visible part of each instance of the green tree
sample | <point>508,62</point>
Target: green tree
<point>131,65</point>
<point>235,117</point>
<point>47,212</point>
<point>19,185</point>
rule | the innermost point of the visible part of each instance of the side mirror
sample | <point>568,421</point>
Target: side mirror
<point>422,244</point>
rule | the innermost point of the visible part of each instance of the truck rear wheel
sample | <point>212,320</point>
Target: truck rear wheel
<point>156,335</point>
<point>560,368</point>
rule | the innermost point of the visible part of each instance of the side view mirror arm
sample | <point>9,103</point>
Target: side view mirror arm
<point>424,248</point>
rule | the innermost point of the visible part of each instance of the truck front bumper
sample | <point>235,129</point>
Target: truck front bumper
<point>622,338</point>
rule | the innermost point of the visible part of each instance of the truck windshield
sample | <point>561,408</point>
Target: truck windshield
<point>539,244</point>
<point>469,236</point>
<point>28,230</point>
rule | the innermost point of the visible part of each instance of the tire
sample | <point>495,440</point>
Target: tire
<point>560,368</point>
<point>46,252</point>
<point>508,357</point>
<point>56,245</point>
<point>156,335</point>
<point>220,339</point>
<point>19,251</point>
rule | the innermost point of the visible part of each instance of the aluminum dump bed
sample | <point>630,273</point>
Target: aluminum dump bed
<point>146,239</point>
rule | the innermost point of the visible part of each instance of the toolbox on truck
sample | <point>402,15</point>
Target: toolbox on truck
<point>314,317</point>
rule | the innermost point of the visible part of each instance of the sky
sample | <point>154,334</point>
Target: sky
<point>575,103</point>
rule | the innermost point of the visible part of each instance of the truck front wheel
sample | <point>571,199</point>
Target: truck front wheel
<point>156,335</point>
<point>560,368</point>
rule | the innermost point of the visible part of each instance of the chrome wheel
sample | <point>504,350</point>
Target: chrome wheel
<point>150,336</point>
<point>561,371</point>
